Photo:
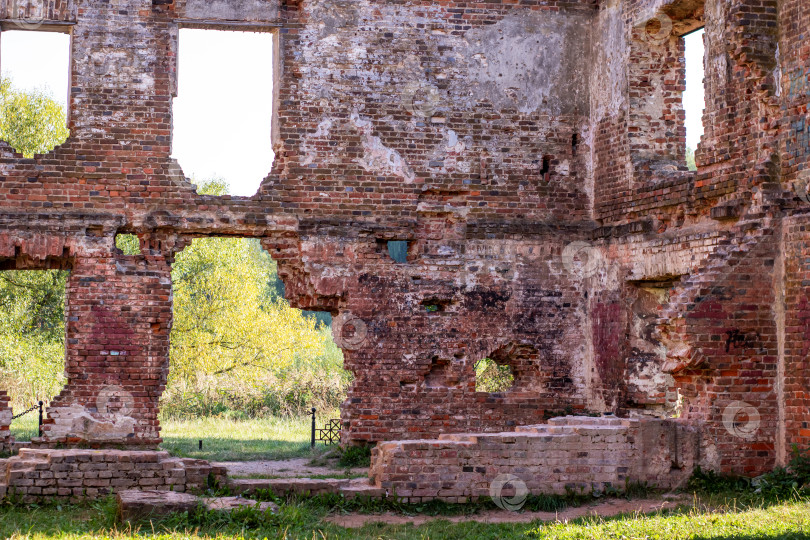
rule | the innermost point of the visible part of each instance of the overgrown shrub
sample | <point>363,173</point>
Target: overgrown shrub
<point>780,483</point>
<point>355,456</point>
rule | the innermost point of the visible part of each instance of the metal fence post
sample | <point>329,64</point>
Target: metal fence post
<point>40,418</point>
<point>313,427</point>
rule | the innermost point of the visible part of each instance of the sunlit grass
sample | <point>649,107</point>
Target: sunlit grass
<point>780,521</point>
<point>25,427</point>
<point>241,440</point>
<point>306,520</point>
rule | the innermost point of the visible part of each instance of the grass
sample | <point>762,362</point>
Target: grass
<point>25,427</point>
<point>227,439</point>
<point>305,519</point>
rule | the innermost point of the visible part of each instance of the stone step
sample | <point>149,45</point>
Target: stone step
<point>360,487</point>
<point>136,505</point>
<point>350,488</point>
<point>282,486</point>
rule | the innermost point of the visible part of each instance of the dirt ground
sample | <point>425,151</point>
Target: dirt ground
<point>607,508</point>
<point>290,468</point>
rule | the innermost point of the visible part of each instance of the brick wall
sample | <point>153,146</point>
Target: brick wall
<point>491,136</point>
<point>570,453</point>
<point>76,475</point>
<point>6,440</point>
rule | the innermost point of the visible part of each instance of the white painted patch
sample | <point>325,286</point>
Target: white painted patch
<point>377,157</point>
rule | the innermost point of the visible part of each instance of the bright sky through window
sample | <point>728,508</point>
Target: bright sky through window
<point>223,114</point>
<point>694,97</point>
<point>37,61</point>
<point>224,108</point>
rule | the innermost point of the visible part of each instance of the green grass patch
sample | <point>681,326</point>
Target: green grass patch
<point>305,520</point>
<point>227,439</point>
<point>25,427</point>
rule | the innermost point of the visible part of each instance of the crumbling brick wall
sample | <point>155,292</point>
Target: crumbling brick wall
<point>6,440</point>
<point>570,454</point>
<point>76,475</point>
<point>550,218</point>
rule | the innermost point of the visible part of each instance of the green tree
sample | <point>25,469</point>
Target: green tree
<point>31,122</point>
<point>32,333</point>
<point>690,159</point>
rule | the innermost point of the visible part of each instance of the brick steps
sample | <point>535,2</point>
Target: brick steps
<point>568,453</point>
<point>307,486</point>
<point>85,474</point>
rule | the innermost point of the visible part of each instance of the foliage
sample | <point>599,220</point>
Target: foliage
<point>225,323</point>
<point>31,122</point>
<point>779,484</point>
<point>690,159</point>
<point>491,377</point>
<point>128,243</point>
<point>355,456</point>
<point>32,327</point>
<point>711,482</point>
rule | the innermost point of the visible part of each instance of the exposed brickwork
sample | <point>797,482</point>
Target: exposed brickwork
<point>492,136</point>
<point>6,440</point>
<point>570,453</point>
<point>90,474</point>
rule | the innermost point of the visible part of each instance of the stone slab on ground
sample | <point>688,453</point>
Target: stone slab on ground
<point>227,504</point>
<point>282,486</point>
<point>135,505</point>
<point>350,488</point>
<point>288,468</point>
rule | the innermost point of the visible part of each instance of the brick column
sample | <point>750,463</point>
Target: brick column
<point>5,421</point>
<point>118,323</point>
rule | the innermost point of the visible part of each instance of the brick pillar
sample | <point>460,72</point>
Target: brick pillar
<point>118,323</point>
<point>5,422</point>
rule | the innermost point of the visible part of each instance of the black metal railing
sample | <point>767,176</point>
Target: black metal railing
<point>329,434</point>
<point>38,406</point>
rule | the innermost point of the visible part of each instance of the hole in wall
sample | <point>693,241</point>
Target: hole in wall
<point>694,97</point>
<point>34,88</point>
<point>398,250</point>
<point>32,342</point>
<point>237,345</point>
<point>492,377</point>
<point>545,170</point>
<point>128,244</point>
<point>223,111</point>
<point>435,305</point>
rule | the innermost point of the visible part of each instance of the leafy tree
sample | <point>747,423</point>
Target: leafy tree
<point>128,243</point>
<point>31,122</point>
<point>32,328</point>
<point>690,159</point>
<point>225,322</point>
